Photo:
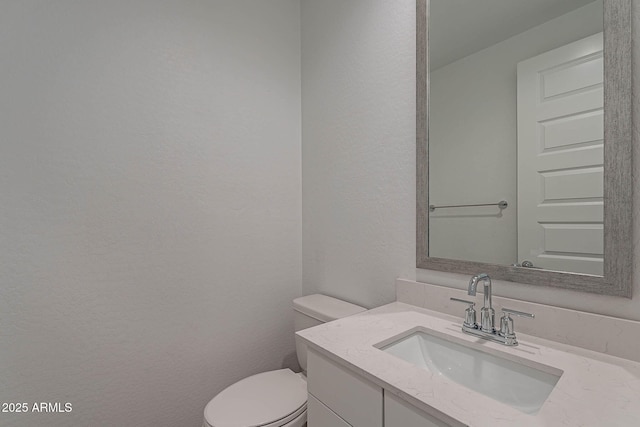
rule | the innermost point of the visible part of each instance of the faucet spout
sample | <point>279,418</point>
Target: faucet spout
<point>487,312</point>
<point>473,285</point>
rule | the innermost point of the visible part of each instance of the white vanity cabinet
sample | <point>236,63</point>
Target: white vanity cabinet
<point>348,396</point>
<point>340,398</point>
<point>319,415</point>
<point>398,413</point>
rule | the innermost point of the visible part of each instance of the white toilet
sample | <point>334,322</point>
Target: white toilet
<point>276,398</point>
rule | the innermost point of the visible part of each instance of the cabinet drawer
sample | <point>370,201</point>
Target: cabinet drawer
<point>398,413</point>
<point>356,400</point>
<point>319,415</point>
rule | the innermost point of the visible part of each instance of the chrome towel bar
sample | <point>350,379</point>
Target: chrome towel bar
<point>502,204</point>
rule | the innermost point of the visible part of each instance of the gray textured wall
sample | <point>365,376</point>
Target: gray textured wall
<point>150,216</point>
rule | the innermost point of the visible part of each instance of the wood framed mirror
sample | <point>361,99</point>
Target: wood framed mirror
<point>616,171</point>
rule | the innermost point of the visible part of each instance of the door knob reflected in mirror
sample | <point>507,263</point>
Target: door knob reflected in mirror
<point>525,264</point>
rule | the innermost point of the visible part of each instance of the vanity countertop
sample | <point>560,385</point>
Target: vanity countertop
<point>594,390</point>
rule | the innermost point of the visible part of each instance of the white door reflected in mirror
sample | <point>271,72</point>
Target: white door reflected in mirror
<point>561,159</point>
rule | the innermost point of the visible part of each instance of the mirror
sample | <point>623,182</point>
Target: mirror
<point>523,134</point>
<point>492,138</point>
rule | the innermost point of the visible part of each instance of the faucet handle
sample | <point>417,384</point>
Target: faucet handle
<point>471,303</point>
<point>506,324</point>
<point>469,313</point>
<point>508,311</point>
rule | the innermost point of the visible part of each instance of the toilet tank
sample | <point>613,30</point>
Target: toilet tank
<point>313,310</point>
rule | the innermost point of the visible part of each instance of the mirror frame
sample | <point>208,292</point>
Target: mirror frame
<point>618,168</point>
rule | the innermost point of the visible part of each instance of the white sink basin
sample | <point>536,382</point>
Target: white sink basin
<point>519,386</point>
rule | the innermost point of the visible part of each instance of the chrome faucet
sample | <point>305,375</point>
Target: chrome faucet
<point>487,313</point>
<point>486,329</point>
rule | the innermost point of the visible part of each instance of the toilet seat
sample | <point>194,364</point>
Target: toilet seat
<point>269,399</point>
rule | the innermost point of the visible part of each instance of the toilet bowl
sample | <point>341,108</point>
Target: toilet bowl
<point>276,398</point>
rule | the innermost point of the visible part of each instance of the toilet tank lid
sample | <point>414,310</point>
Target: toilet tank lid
<point>325,308</point>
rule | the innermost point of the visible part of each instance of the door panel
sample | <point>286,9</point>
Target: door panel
<point>560,158</point>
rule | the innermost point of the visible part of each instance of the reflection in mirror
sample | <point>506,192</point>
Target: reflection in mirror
<point>516,115</point>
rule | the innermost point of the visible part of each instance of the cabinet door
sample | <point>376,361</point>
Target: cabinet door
<point>398,413</point>
<point>354,399</point>
<point>319,415</point>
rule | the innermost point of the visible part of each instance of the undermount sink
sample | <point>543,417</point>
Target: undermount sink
<point>519,386</point>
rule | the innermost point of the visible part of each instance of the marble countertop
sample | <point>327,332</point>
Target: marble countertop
<point>594,390</point>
